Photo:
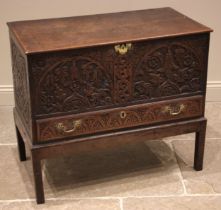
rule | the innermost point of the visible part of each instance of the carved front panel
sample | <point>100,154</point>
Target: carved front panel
<point>172,68</point>
<point>96,78</point>
<point>100,121</point>
<point>71,82</point>
<point>21,90</point>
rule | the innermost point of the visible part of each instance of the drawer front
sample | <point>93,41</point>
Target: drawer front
<point>109,76</point>
<point>125,117</point>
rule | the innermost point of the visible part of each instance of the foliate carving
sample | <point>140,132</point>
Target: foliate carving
<point>94,78</point>
<point>150,72</point>
<point>168,70</point>
<point>73,84</point>
<point>21,91</point>
<point>104,121</point>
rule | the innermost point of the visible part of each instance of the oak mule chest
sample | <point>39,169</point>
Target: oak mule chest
<point>89,82</point>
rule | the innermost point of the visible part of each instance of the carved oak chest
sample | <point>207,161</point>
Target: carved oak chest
<point>83,83</point>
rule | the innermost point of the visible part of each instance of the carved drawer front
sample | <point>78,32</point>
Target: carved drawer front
<point>124,117</point>
<point>91,79</point>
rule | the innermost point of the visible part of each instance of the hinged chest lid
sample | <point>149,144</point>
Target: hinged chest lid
<point>35,36</point>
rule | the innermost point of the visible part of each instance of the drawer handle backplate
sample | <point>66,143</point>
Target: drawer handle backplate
<point>63,128</point>
<point>122,48</point>
<point>174,111</point>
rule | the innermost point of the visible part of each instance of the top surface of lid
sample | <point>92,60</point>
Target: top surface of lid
<point>55,34</point>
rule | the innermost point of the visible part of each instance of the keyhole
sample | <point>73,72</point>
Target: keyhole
<point>123,114</point>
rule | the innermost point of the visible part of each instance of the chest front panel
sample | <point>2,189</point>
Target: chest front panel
<point>100,77</point>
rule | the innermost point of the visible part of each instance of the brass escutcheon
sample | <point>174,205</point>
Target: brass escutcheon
<point>122,48</point>
<point>123,114</point>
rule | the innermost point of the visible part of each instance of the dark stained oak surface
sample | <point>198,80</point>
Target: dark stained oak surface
<point>102,97</point>
<point>36,36</point>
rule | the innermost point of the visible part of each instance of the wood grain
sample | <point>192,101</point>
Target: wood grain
<point>56,34</point>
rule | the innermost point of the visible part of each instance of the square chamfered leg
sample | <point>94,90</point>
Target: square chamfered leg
<point>21,145</point>
<point>37,171</point>
<point>199,146</point>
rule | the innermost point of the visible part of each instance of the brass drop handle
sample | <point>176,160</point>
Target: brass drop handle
<point>63,128</point>
<point>122,48</point>
<point>172,111</point>
<point>123,114</point>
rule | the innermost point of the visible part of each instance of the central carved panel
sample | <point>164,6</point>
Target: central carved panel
<point>93,78</point>
<point>122,80</point>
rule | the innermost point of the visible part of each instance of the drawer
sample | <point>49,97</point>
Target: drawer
<point>109,76</point>
<point>119,118</point>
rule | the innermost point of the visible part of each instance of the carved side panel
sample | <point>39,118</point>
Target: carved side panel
<point>21,90</point>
